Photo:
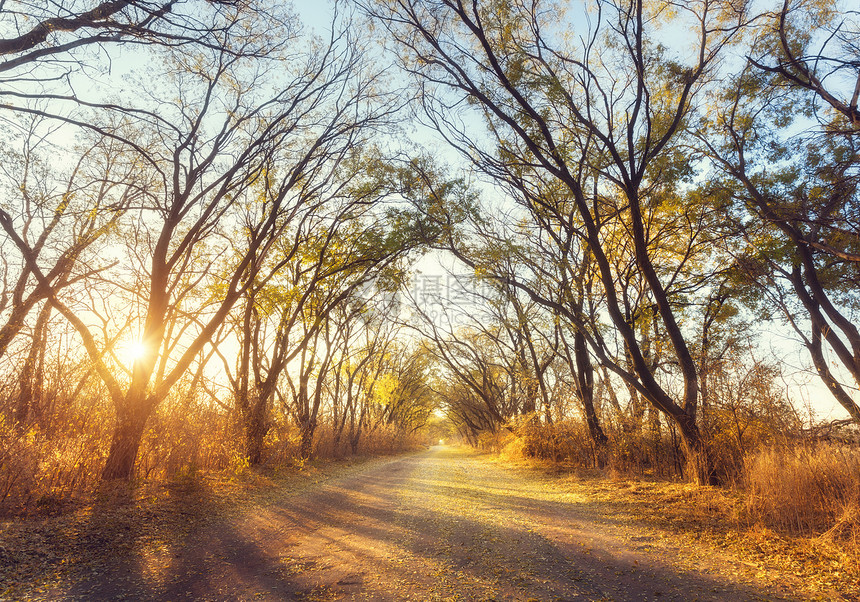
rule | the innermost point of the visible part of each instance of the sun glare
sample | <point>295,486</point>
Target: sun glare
<point>136,350</point>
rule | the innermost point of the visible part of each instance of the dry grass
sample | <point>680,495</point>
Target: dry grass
<point>812,490</point>
<point>42,471</point>
<point>58,463</point>
<point>568,443</point>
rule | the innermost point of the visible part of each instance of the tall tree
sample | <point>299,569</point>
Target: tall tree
<point>786,147</point>
<point>599,114</point>
<point>244,131</point>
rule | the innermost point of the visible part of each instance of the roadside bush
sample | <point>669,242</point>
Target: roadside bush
<point>650,448</point>
<point>564,441</point>
<point>808,489</point>
<point>388,440</point>
<point>18,464</point>
<point>500,442</point>
<point>746,412</point>
<point>187,435</point>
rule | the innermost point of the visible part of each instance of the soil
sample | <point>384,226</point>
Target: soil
<point>444,524</point>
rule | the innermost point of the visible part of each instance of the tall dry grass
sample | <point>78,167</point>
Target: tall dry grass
<point>810,489</point>
<point>58,460</point>
<point>43,469</point>
<point>630,450</point>
<point>42,466</point>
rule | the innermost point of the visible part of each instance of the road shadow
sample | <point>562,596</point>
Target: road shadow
<point>438,525</point>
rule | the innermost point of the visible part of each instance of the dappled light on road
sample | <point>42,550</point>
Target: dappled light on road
<point>443,524</point>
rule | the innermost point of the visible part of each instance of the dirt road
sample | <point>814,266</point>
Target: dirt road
<point>444,524</point>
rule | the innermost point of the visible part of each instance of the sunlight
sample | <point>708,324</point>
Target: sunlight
<point>136,350</point>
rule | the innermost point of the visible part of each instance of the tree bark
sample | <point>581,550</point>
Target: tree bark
<point>256,429</point>
<point>585,384</point>
<point>696,455</point>
<point>306,446</point>
<point>32,377</point>
<point>127,436</point>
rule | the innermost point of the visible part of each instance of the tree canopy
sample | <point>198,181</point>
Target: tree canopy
<point>210,213</point>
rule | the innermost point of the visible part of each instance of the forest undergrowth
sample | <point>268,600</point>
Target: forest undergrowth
<point>56,468</point>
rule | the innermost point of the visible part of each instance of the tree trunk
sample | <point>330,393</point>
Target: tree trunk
<point>306,447</point>
<point>696,456</point>
<point>126,441</point>
<point>340,424</point>
<point>656,435</point>
<point>255,432</point>
<point>32,376</point>
<point>335,444</point>
<point>585,385</point>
